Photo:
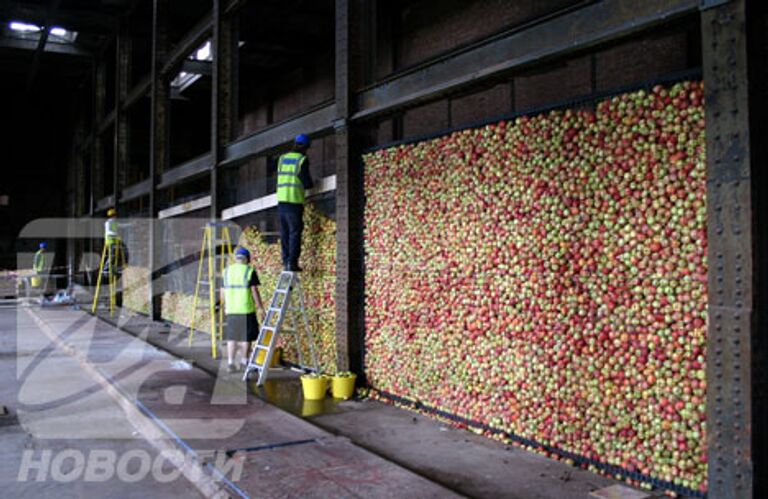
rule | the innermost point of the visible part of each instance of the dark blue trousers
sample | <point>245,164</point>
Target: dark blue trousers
<point>291,227</point>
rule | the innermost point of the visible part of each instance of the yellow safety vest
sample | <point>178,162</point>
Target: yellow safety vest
<point>289,186</point>
<point>237,294</point>
<point>39,262</point>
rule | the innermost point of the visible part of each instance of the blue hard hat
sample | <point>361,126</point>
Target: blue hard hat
<point>43,245</point>
<point>243,252</point>
<point>302,139</point>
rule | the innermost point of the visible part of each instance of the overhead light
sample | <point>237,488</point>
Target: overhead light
<point>28,31</point>
<point>204,52</point>
<point>184,80</point>
<point>24,27</point>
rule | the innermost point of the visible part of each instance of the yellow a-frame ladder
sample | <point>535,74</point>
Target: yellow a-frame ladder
<point>214,255</point>
<point>113,258</point>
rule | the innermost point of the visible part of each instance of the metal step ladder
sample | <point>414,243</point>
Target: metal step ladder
<point>215,253</point>
<point>282,307</point>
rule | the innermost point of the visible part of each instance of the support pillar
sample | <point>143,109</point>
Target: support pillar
<point>122,75</point>
<point>735,343</point>
<point>223,93</point>
<point>349,200</point>
<point>97,149</point>
<point>159,140</point>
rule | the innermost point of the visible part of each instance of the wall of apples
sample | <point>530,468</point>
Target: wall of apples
<point>546,276</point>
<point>318,281</point>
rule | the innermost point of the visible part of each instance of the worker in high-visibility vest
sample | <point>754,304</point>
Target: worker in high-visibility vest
<point>240,295</point>
<point>293,180</point>
<point>38,264</point>
<point>117,252</point>
<point>111,235</point>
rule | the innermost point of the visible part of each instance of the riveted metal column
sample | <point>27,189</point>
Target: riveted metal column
<point>79,165</point>
<point>223,94</point>
<point>159,138</point>
<point>349,199</point>
<point>730,228</point>
<point>97,149</point>
<point>122,75</point>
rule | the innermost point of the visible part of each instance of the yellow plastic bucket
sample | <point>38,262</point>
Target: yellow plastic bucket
<point>342,387</point>
<point>314,388</point>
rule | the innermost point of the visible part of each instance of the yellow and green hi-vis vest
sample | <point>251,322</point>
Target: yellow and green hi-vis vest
<point>39,262</point>
<point>237,295</point>
<point>289,187</point>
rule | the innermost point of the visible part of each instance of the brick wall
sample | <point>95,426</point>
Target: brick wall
<point>410,34</point>
<point>481,105</point>
<point>640,60</point>
<point>553,84</point>
<point>287,94</point>
<point>426,119</point>
<point>429,28</point>
<point>630,62</point>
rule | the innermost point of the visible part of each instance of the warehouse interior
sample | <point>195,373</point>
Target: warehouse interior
<point>534,228</point>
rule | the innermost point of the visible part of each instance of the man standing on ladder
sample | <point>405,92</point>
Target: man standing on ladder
<point>240,294</point>
<point>116,254</point>
<point>111,235</point>
<point>293,180</point>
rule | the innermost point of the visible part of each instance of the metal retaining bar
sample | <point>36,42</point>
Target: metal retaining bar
<point>280,445</point>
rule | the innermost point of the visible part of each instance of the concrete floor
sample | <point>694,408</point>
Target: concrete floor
<point>54,406</point>
<point>74,383</point>
<point>461,461</point>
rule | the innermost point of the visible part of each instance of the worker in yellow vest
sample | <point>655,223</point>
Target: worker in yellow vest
<point>117,252</point>
<point>293,180</point>
<point>111,235</point>
<point>240,295</point>
<point>38,265</point>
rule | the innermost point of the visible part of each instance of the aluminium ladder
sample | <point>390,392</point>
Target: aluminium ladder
<point>215,251</point>
<point>281,306</point>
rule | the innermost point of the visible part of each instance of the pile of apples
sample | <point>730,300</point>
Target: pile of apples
<point>318,281</point>
<point>178,308</point>
<point>135,285</point>
<point>547,276</point>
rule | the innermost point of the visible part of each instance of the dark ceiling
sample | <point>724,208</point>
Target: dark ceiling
<point>41,94</point>
<point>46,87</point>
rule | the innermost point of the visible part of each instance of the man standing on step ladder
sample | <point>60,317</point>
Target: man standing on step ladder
<point>113,241</point>
<point>240,294</point>
<point>111,235</point>
<point>293,180</point>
